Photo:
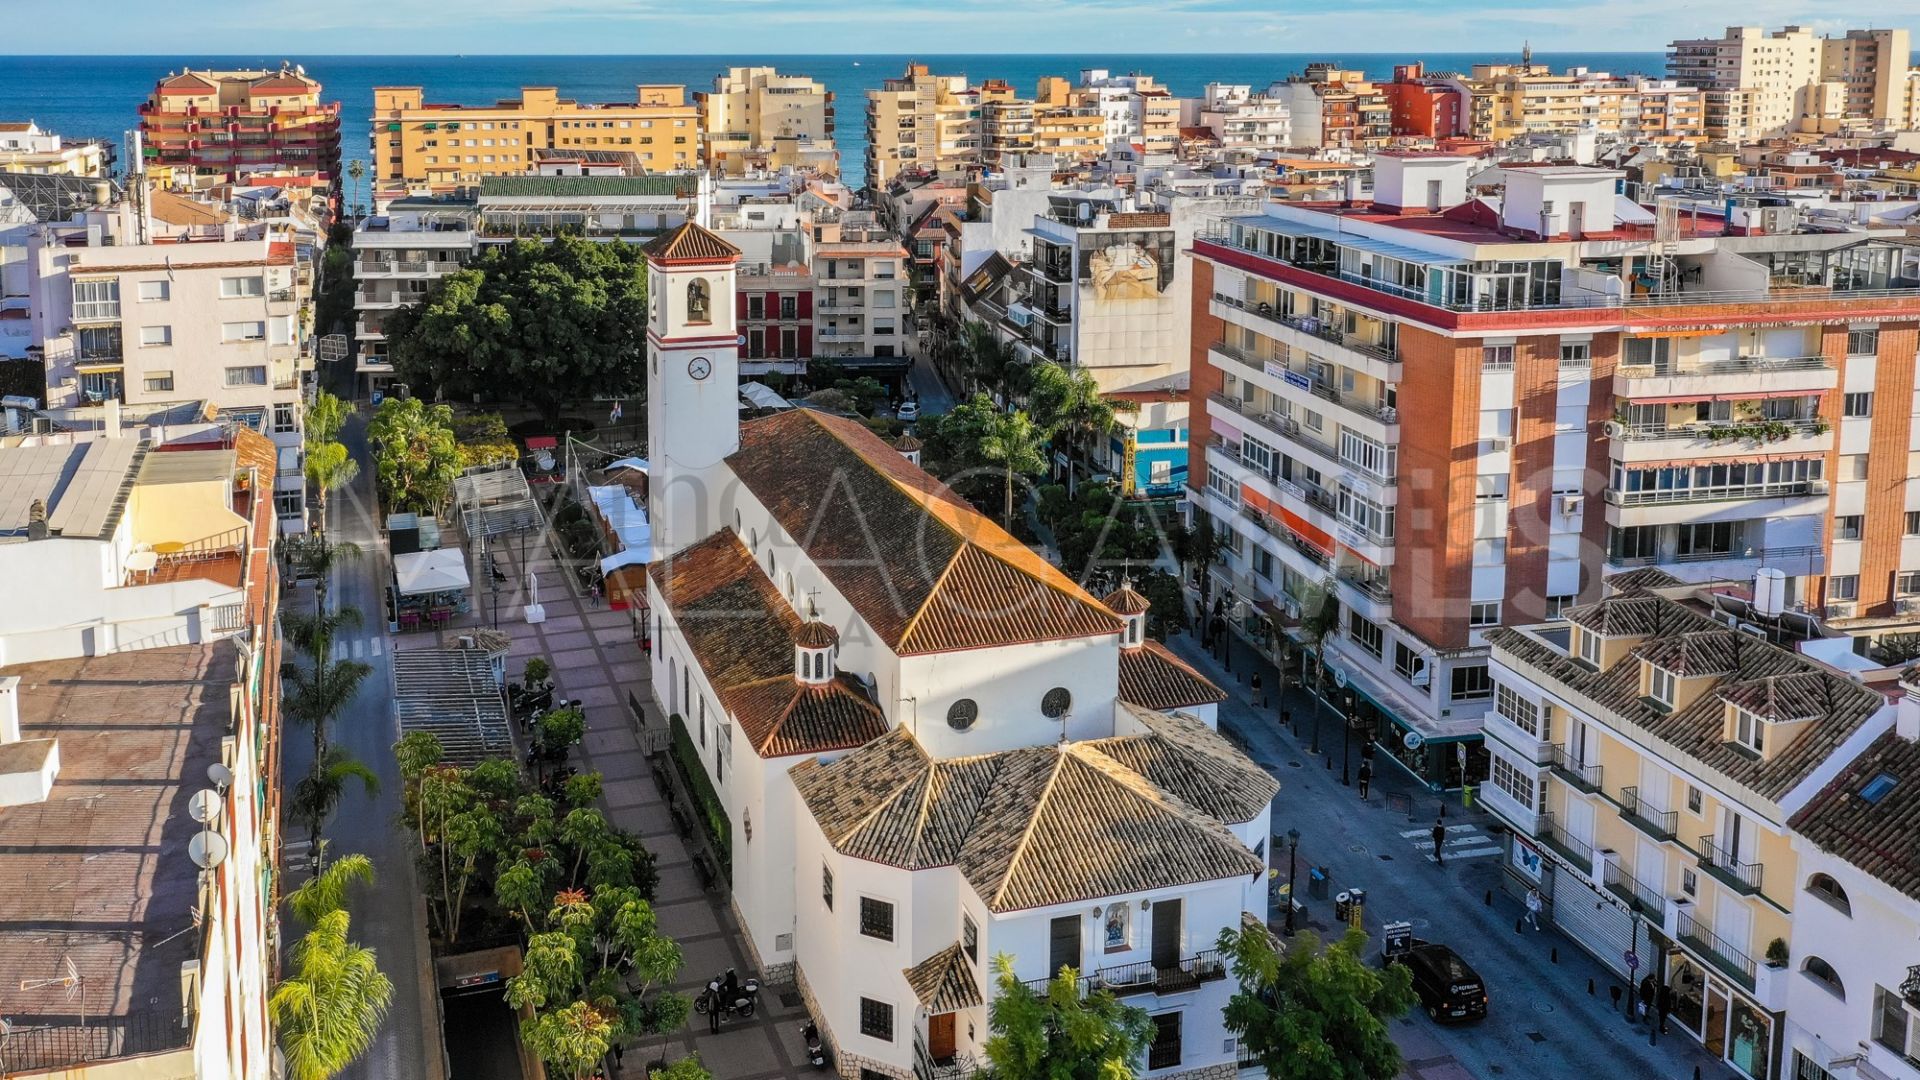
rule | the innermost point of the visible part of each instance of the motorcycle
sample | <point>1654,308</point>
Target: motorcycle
<point>816,1048</point>
<point>729,996</point>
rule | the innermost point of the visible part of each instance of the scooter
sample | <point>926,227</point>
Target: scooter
<point>730,996</point>
<point>816,1047</point>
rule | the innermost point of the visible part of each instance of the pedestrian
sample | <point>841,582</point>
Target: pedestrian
<point>1286,718</point>
<point>1533,907</point>
<point>1217,628</point>
<point>1366,778</point>
<point>713,1009</point>
<point>1663,998</point>
<point>1259,695</point>
<point>594,589</point>
<point>1646,998</point>
<point>1439,838</point>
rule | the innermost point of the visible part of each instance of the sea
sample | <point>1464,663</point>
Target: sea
<point>95,96</point>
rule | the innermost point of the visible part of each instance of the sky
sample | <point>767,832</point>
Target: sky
<point>774,27</point>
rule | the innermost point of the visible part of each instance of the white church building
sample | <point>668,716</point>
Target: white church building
<point>933,747</point>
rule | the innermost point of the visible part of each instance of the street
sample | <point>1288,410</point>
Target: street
<point>386,918</point>
<point>1541,1020</point>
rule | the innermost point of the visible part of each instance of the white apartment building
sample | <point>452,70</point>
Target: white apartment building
<point>1137,109</point>
<point>219,314</point>
<point>1765,84</point>
<point>1243,120</point>
<point>831,696</point>
<point>862,298</point>
<point>397,256</point>
<point>26,148</point>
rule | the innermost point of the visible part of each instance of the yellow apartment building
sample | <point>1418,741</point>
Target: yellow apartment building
<point>1647,757</point>
<point>758,119</point>
<point>416,142</point>
<point>921,121</point>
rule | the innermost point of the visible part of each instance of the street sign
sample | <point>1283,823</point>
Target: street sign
<point>1633,961</point>
<point>1396,938</point>
<point>1340,677</point>
<point>1412,740</point>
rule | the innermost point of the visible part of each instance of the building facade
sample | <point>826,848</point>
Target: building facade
<point>25,148</point>
<point>921,122</point>
<point>201,127</point>
<point>758,120</point>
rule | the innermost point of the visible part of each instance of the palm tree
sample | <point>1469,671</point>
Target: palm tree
<point>992,360</point>
<point>329,468</point>
<point>325,417</point>
<point>1015,443</point>
<point>317,693</point>
<point>355,169</point>
<point>329,1010</point>
<point>314,556</point>
<point>313,633</point>
<point>327,891</point>
<point>1070,404</point>
<point>317,794</point>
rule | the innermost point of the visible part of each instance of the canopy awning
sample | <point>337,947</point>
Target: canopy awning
<point>441,570</point>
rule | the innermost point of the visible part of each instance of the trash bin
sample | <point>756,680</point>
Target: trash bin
<point>1343,906</point>
<point>1356,907</point>
<point>1317,882</point>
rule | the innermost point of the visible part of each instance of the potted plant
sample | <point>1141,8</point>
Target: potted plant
<point>1777,953</point>
<point>537,672</point>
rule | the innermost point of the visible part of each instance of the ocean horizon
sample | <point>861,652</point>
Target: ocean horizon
<point>96,97</point>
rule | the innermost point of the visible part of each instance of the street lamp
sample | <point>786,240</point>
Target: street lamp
<point>1293,848</point>
<point>1346,734</point>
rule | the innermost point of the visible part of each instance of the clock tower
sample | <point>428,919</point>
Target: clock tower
<point>693,384</point>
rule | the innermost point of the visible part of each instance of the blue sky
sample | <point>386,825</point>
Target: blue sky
<point>205,27</point>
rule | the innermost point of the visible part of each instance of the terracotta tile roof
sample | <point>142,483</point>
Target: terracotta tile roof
<point>814,634</point>
<point>944,981</point>
<point>1027,828</point>
<point>1152,677</point>
<point>781,717</point>
<point>691,242</point>
<point>1194,762</point>
<point>1701,652</point>
<point>920,566</point>
<point>1646,577</point>
<point>1877,836</point>
<point>1125,601</point>
<point>1697,731</point>
<point>1781,697</point>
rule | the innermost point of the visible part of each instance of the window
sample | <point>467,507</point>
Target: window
<point>876,1019</point>
<point>1484,614</point>
<point>285,420</point>
<point>1863,342</point>
<point>99,343</point>
<point>288,504</point>
<point>826,885</point>
<point>1518,785</point>
<point>1907,583</point>
<point>1496,358</point>
<point>1489,552</point>
<point>152,291</point>
<point>95,300</point>
<point>1365,633</point>
<point>1472,683</point>
<point>1805,1069</point>
<point>1557,605</point>
<point>1660,685</point>
<point>969,937</point>
<point>699,301</point>
<point>243,331</point>
<point>1492,487</point>
<point>155,335</point>
<point>789,307</point>
<point>1749,730</point>
<point>1853,466</point>
<point>876,918</point>
<point>1689,882</point>
<point>247,376</point>
<point>236,287</point>
<point>1406,662</point>
<point>159,382</point>
<point>1164,1053</point>
<point>1588,643</point>
<point>1576,354</point>
<point>1826,888</point>
<point>1858,405</point>
<point>703,722</point>
<point>1063,944</point>
<point>1913,523</point>
<point>1847,527</point>
<point>1893,1027</point>
<point>1522,713</point>
<point>1694,800</point>
<point>1843,587</point>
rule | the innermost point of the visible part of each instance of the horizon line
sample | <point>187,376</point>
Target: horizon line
<point>731,55</point>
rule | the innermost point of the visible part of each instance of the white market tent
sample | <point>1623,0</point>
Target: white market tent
<point>441,570</point>
<point>627,521</point>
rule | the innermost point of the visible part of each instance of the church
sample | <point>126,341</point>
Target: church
<point>933,747</point>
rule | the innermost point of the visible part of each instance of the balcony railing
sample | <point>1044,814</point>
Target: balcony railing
<point>1634,891</point>
<point>1374,585</point>
<point>1721,954</point>
<point>927,1067</point>
<point>1658,824</point>
<point>1307,325</point>
<point>1577,774</point>
<point>1744,366</point>
<point>1570,847</point>
<point>1766,555</point>
<point>1670,496</point>
<point>1763,431</point>
<point>1145,977</point>
<point>1741,877</point>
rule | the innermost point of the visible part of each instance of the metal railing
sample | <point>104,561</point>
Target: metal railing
<point>1668,496</point>
<point>1316,327</point>
<point>1771,554</point>
<point>1720,953</point>
<point>1374,585</point>
<point>1742,877</point>
<point>227,618</point>
<point>32,1048</point>
<point>1658,824</point>
<point>1570,847</point>
<point>1576,773</point>
<point>1633,890</point>
<point>927,1067</point>
<point>1719,432</point>
<point>1146,977</point>
<point>1743,366</point>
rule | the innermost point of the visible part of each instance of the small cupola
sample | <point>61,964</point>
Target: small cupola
<point>909,447</point>
<point>1132,607</point>
<point>813,647</point>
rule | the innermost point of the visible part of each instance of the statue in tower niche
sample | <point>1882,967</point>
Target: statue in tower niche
<point>697,301</point>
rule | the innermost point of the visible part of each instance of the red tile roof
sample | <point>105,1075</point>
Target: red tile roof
<point>1153,678</point>
<point>692,243</point>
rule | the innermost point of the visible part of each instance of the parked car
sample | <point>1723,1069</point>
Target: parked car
<point>1449,989</point>
<point>908,412</point>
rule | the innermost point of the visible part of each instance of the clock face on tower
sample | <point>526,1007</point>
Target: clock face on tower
<point>699,367</point>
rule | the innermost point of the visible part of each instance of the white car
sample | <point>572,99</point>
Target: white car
<point>908,412</point>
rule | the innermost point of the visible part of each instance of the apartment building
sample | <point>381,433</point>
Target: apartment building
<point>862,300</point>
<point>1621,390</point>
<point>1648,757</point>
<point>1436,107</point>
<point>219,315</point>
<point>202,127</point>
<point>1853,1005</point>
<point>416,143</point>
<point>1136,110</point>
<point>1241,120</point>
<point>921,122</point>
<point>1765,84</point>
<point>1873,66</point>
<point>398,254</point>
<point>1065,125</point>
<point>1335,108</point>
<point>1006,123</point>
<point>758,120</point>
<point>135,682</point>
<point>1512,102</point>
<point>25,148</point>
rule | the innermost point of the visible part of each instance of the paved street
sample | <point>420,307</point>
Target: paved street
<point>1542,1023</point>
<point>388,918</point>
<point>935,397</point>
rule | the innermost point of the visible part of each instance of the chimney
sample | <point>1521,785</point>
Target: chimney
<point>37,520</point>
<point>110,418</point>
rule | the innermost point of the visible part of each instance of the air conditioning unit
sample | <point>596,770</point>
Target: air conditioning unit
<point>1570,504</point>
<point>1817,487</point>
<point>1614,429</point>
<point>1907,605</point>
<point>1839,610</point>
<point>1499,444</point>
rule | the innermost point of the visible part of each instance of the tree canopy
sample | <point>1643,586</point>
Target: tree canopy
<point>1311,1012</point>
<point>415,454</point>
<point>543,323</point>
<point>1062,1034</point>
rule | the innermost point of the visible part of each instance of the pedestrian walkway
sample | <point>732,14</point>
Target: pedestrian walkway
<point>596,660</point>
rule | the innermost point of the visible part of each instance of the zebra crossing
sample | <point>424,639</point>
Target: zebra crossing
<point>1463,842</point>
<point>358,649</point>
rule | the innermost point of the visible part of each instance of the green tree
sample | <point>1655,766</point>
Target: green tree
<point>416,752</point>
<point>316,692</point>
<point>329,1009</point>
<point>1314,1013</point>
<point>543,323</point>
<point>686,1068</point>
<point>415,455</point>
<point>317,794</point>
<point>329,468</point>
<point>1062,1034</point>
<point>1069,405</point>
<point>1169,600</point>
<point>572,1039</point>
<point>1015,444</point>
<point>325,417</point>
<point>311,633</point>
<point>356,169</point>
<point>992,362</point>
<point>315,557</point>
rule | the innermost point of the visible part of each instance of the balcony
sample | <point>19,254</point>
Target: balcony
<point>1741,877</point>
<point>1721,954</point>
<point>1576,774</point>
<point>1144,977</point>
<point>1648,899</point>
<point>1318,329</point>
<point>1660,443</point>
<point>839,333</point>
<point>1729,493</point>
<point>1053,270</point>
<point>1747,374</point>
<point>1569,847</point>
<point>1658,824</point>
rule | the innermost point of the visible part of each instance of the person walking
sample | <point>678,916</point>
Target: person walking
<point>1439,838</point>
<point>713,1010</point>
<point>1259,694</point>
<point>1533,907</point>
<point>1366,778</point>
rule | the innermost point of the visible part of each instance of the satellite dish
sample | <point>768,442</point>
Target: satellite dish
<point>220,776</point>
<point>207,850</point>
<point>205,806</point>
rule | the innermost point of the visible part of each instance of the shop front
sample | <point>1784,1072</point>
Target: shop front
<point>1722,1017</point>
<point>1443,755</point>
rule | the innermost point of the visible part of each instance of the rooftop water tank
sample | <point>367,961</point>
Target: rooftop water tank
<point>1769,592</point>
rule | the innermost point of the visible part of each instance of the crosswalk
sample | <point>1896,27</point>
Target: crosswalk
<point>1463,842</point>
<point>358,649</point>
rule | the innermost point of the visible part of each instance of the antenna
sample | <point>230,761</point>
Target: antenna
<point>205,806</point>
<point>220,776</point>
<point>70,978</point>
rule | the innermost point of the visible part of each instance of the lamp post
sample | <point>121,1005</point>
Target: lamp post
<point>1346,734</point>
<point>1293,848</point>
<point>1314,691</point>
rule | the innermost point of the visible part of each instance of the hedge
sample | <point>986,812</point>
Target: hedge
<point>713,813</point>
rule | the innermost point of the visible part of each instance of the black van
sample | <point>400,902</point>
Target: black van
<point>1448,988</point>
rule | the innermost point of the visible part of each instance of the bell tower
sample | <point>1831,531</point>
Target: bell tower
<point>693,384</point>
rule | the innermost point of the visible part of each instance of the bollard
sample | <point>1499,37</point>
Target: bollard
<point>1489,900</point>
<point>1555,954</point>
<point>1589,987</point>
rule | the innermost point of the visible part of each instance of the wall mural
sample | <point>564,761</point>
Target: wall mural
<point>1128,265</point>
